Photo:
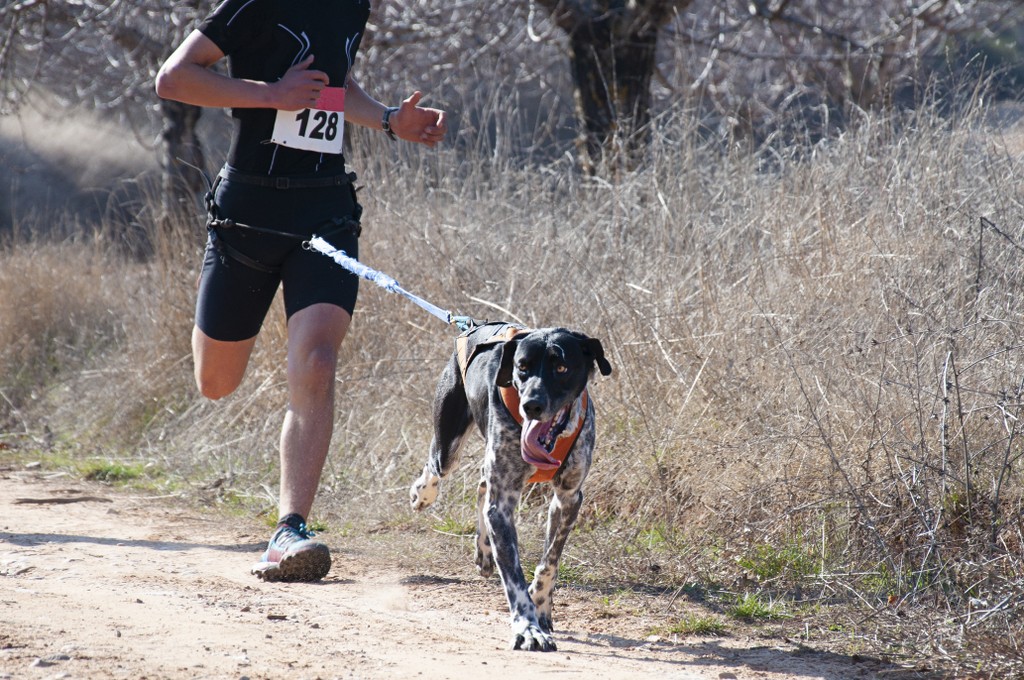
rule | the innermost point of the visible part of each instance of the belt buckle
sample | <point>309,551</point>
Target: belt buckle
<point>281,183</point>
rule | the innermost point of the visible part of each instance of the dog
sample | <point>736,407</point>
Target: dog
<point>526,392</point>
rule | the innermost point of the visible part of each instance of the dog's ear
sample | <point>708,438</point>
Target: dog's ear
<point>508,355</point>
<point>593,350</point>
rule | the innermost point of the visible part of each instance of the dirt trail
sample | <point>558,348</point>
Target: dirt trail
<point>95,583</point>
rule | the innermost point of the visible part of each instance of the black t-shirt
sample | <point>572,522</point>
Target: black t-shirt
<point>263,39</point>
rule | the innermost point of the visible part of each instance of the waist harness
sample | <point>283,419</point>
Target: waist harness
<point>479,338</point>
<point>335,225</point>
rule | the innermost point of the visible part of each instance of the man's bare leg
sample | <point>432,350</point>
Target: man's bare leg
<point>314,337</point>
<point>219,365</point>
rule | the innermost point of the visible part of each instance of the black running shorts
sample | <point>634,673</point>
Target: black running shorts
<point>233,296</point>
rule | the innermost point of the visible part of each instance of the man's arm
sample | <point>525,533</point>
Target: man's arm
<point>186,76</point>
<point>410,122</point>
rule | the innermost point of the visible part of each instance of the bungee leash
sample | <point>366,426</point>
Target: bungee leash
<point>317,243</point>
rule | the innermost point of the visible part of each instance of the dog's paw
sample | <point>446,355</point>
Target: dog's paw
<point>423,491</point>
<point>540,593</point>
<point>485,565</point>
<point>483,554</point>
<point>543,605</point>
<point>528,636</point>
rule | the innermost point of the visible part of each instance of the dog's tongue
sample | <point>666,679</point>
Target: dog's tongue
<point>534,452</point>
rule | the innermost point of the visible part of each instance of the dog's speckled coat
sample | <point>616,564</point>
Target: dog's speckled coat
<point>549,368</point>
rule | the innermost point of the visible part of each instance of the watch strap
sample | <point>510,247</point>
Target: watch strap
<point>385,121</point>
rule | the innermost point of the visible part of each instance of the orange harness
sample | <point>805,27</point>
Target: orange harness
<point>510,397</point>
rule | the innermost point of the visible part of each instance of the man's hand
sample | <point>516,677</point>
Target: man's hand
<point>299,87</point>
<point>419,124</point>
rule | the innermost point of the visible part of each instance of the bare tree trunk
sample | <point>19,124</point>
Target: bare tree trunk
<point>182,149</point>
<point>612,49</point>
<point>612,82</point>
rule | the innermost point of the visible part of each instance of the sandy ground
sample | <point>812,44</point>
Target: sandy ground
<point>99,583</point>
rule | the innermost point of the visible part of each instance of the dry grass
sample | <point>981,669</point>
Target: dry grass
<point>817,353</point>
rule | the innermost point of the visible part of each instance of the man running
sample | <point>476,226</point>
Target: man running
<point>291,90</point>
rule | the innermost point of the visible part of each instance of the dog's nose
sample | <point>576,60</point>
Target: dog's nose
<point>533,408</point>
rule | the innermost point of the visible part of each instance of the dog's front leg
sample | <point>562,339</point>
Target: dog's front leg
<point>451,420</point>
<point>484,554</point>
<point>562,513</point>
<point>501,501</point>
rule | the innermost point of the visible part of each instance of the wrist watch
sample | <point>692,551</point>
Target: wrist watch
<point>385,121</point>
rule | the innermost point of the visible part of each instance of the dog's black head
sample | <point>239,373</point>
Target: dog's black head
<point>549,367</point>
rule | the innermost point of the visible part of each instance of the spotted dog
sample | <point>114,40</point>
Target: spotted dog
<point>527,392</point>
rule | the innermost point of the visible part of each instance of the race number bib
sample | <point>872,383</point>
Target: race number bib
<point>320,128</point>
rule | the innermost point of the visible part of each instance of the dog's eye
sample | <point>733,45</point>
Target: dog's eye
<point>561,368</point>
<point>522,367</point>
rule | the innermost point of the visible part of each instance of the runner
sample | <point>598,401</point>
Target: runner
<point>291,90</point>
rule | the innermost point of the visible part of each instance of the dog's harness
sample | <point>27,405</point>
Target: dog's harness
<point>502,333</point>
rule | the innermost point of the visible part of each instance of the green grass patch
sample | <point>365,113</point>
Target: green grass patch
<point>111,472</point>
<point>765,562</point>
<point>752,607</point>
<point>455,527</point>
<point>705,625</point>
<point>571,573</point>
<point>884,582</point>
<point>655,537</point>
